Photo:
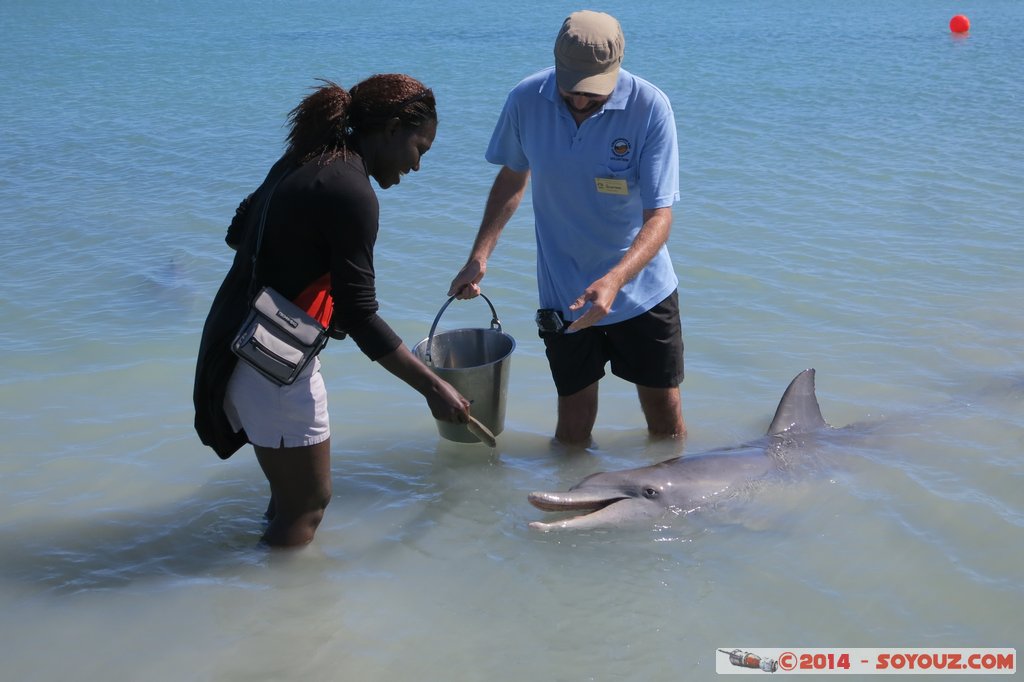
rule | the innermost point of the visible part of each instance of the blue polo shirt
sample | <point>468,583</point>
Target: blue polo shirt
<point>591,184</point>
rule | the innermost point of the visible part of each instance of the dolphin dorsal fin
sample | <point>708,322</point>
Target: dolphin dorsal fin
<point>798,410</point>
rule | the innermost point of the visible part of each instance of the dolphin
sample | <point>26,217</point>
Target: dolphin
<point>685,484</point>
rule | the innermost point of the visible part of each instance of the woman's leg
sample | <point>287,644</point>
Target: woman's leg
<point>300,489</point>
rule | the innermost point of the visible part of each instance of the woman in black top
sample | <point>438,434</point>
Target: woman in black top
<point>317,250</point>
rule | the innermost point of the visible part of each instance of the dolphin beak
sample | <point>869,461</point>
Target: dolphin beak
<point>574,500</point>
<point>596,505</point>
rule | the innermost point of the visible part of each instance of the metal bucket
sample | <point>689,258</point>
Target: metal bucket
<point>475,362</point>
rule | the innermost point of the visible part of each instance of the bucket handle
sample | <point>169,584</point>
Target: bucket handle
<point>495,323</point>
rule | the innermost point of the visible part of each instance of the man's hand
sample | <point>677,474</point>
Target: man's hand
<point>600,295</point>
<point>467,283</point>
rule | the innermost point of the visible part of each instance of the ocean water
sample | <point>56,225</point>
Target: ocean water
<point>852,200</point>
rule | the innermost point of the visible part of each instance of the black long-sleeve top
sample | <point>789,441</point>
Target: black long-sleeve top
<point>322,219</point>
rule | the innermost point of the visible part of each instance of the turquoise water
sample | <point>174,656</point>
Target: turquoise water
<point>852,199</point>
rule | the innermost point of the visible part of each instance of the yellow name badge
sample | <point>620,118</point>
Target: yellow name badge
<point>612,186</point>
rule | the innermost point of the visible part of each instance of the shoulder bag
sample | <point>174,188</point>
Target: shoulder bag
<point>277,339</point>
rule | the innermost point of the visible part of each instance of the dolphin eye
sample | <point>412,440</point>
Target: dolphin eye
<point>650,493</point>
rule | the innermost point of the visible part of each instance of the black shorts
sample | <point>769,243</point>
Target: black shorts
<point>646,350</point>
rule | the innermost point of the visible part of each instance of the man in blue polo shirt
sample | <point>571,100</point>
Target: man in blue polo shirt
<point>600,146</point>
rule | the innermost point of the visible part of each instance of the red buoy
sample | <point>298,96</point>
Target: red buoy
<point>960,24</point>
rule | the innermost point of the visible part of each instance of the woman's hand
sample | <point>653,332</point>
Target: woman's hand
<point>447,404</point>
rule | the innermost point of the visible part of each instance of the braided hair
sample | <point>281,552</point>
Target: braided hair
<point>327,121</point>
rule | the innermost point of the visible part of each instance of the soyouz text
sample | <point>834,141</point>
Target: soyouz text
<point>888,661</point>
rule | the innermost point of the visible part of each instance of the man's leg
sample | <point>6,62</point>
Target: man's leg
<point>576,416</point>
<point>663,409</point>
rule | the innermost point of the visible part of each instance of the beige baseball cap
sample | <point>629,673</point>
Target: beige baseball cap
<point>588,52</point>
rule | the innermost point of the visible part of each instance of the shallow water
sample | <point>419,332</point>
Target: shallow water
<point>851,201</point>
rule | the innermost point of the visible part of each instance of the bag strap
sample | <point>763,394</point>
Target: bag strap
<point>259,232</point>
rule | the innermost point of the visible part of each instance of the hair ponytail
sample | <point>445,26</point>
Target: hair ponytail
<point>318,123</point>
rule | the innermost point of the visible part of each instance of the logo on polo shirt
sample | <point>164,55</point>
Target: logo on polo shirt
<point>620,147</point>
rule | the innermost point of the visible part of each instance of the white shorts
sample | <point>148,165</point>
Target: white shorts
<point>278,416</point>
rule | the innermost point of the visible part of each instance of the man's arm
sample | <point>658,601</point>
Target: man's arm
<point>601,294</point>
<point>504,198</point>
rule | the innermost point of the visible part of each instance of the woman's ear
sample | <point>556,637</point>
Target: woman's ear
<point>392,126</point>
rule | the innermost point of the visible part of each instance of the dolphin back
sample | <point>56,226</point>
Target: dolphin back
<point>798,411</point>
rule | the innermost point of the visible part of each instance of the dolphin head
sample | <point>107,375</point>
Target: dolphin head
<point>611,498</point>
